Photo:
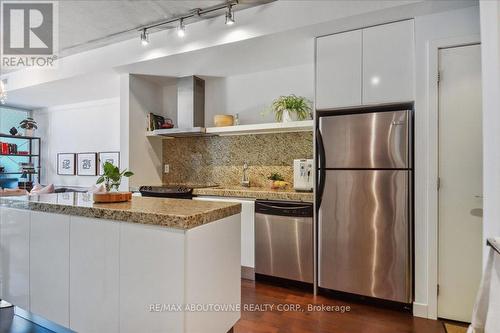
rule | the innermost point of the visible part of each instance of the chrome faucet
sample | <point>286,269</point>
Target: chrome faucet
<point>245,181</point>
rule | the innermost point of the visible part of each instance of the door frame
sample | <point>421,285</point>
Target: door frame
<point>431,181</point>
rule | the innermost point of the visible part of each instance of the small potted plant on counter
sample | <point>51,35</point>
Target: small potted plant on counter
<point>276,181</point>
<point>112,178</point>
<point>289,108</point>
<point>29,126</point>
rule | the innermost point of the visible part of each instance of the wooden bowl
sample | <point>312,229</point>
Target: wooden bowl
<point>221,120</point>
<point>108,197</point>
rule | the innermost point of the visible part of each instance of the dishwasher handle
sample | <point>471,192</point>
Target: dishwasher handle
<point>284,208</point>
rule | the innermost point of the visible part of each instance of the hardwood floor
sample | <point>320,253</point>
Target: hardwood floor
<point>361,318</point>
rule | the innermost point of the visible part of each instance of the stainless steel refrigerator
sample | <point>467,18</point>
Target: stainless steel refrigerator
<point>364,202</point>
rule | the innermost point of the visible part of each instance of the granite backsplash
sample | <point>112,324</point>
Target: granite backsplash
<point>220,159</point>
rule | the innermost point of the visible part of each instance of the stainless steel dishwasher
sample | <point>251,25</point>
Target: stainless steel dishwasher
<point>284,239</point>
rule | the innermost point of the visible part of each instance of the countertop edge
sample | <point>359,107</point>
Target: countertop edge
<point>180,222</point>
<point>255,194</point>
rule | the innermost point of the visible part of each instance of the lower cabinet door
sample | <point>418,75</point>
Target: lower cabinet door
<point>15,256</point>
<point>49,266</point>
<point>94,275</point>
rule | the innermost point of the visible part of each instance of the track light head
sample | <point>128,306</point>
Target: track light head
<point>144,37</point>
<point>229,15</point>
<point>181,29</point>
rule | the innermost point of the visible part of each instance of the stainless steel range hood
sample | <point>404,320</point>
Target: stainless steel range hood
<point>190,109</point>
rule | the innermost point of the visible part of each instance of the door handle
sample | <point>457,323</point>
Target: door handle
<point>322,165</point>
<point>478,196</point>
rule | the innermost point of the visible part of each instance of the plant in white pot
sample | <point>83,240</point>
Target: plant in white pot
<point>29,126</point>
<point>112,176</point>
<point>292,107</point>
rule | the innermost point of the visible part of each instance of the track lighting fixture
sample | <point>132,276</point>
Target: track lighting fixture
<point>194,14</point>
<point>229,15</point>
<point>181,29</point>
<point>144,37</point>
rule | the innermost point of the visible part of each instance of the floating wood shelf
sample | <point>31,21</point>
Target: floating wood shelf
<point>268,128</point>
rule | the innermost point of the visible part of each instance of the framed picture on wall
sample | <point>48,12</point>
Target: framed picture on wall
<point>112,157</point>
<point>86,164</point>
<point>66,164</point>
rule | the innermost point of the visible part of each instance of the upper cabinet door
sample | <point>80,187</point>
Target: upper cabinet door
<point>338,70</point>
<point>388,62</point>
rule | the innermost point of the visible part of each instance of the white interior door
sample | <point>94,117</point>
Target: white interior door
<point>460,172</point>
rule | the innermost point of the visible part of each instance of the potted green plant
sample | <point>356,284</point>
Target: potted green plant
<point>112,176</point>
<point>277,181</point>
<point>286,108</point>
<point>29,125</point>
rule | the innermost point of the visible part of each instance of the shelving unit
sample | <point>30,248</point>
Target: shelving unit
<point>32,157</point>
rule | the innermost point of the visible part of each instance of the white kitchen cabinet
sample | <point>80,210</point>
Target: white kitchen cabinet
<point>94,275</point>
<point>366,66</point>
<point>148,254</point>
<point>15,256</point>
<point>247,227</point>
<point>49,266</point>
<point>388,64</point>
<point>338,70</point>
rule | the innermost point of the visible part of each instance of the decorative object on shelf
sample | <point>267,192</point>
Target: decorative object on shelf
<point>287,108</point>
<point>29,125</point>
<point>86,164</point>
<point>158,122</point>
<point>24,183</point>
<point>276,181</point>
<point>221,120</point>
<point>26,168</point>
<point>8,148</point>
<point>237,119</point>
<point>112,176</point>
<point>66,164</point>
<point>112,157</point>
<point>13,131</point>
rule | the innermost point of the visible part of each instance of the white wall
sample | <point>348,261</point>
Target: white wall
<point>490,39</point>
<point>250,94</point>
<point>91,126</point>
<point>145,154</point>
<point>430,29</point>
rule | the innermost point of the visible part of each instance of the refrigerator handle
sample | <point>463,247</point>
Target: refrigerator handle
<point>321,167</point>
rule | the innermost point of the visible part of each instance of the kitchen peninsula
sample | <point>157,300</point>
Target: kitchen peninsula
<point>150,265</point>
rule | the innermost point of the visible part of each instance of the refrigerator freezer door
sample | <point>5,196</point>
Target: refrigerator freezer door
<point>376,140</point>
<point>363,234</point>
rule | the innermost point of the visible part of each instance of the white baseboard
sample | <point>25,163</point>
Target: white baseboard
<point>420,310</point>
<point>248,273</point>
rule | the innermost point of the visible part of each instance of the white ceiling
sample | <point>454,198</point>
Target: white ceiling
<point>84,25</point>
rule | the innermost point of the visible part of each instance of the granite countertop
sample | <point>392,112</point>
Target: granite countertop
<point>255,193</point>
<point>173,213</point>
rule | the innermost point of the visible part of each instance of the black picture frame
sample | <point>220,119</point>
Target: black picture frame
<point>69,156</point>
<point>84,170</point>
<point>117,153</point>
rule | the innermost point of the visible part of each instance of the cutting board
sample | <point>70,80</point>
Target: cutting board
<point>109,197</point>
